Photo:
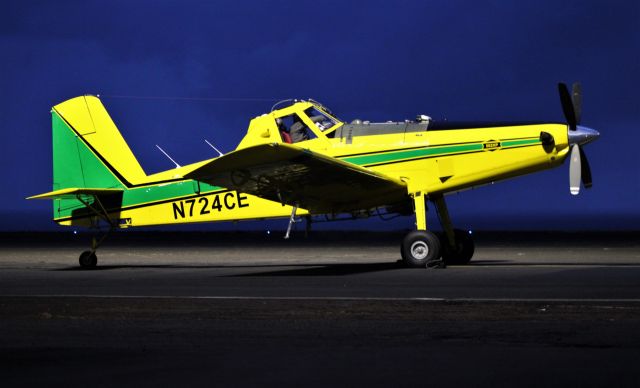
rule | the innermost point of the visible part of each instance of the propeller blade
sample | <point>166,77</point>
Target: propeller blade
<point>567,106</point>
<point>575,170</point>
<point>576,96</point>
<point>586,170</point>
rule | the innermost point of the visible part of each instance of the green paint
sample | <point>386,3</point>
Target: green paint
<point>75,165</point>
<point>404,155</point>
<point>516,143</point>
<point>140,195</point>
<point>397,156</point>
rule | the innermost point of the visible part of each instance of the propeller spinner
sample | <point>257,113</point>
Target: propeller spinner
<point>579,169</point>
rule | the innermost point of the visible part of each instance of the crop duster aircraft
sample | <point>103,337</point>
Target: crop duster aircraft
<point>300,160</point>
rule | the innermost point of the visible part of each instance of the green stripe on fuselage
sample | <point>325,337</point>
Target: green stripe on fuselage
<point>428,152</point>
<point>520,142</point>
<point>142,195</point>
<point>396,156</point>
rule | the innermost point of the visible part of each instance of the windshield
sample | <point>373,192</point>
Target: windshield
<point>320,119</point>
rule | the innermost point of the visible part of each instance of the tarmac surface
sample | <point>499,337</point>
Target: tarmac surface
<point>246,309</point>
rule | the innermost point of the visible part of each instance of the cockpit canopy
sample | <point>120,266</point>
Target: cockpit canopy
<point>292,121</point>
<point>305,120</point>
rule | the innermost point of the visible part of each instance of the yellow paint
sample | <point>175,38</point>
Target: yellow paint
<point>420,210</point>
<point>434,175</point>
<point>89,117</point>
<point>163,214</point>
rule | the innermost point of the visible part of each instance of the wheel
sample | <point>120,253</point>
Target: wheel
<point>463,251</point>
<point>88,259</point>
<point>420,247</point>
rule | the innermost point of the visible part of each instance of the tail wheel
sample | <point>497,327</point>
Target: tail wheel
<point>420,247</point>
<point>88,259</point>
<point>462,252</point>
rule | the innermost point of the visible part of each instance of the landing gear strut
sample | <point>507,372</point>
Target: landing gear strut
<point>457,245</point>
<point>89,259</point>
<point>422,248</point>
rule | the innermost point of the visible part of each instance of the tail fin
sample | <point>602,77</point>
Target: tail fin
<point>88,150</point>
<point>90,160</point>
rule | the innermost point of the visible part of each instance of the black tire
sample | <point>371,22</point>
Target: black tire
<point>88,259</point>
<point>420,247</point>
<point>462,253</point>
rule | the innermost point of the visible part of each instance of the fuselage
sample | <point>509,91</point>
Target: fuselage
<point>452,157</point>
<point>430,157</point>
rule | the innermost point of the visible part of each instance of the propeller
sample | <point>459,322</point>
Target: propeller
<point>579,169</point>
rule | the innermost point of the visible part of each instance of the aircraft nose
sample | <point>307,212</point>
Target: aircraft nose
<point>582,135</point>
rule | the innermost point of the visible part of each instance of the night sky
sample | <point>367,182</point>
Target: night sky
<point>177,72</point>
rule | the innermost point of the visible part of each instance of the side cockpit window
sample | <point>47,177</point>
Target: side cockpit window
<point>293,129</point>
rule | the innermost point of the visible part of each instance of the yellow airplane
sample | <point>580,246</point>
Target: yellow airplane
<point>300,160</point>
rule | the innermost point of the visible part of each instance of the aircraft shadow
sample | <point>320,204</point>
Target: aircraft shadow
<point>271,269</point>
<point>350,269</point>
<point>327,270</point>
<point>176,266</point>
<point>516,263</point>
<point>334,269</point>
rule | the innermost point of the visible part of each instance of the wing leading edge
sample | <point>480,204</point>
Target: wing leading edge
<point>298,177</point>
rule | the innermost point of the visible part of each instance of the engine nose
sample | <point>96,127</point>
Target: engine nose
<point>582,135</point>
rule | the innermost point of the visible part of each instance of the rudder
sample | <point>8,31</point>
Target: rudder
<point>90,159</point>
<point>88,149</point>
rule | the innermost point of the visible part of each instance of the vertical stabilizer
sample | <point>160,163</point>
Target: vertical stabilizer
<point>88,149</point>
<point>90,160</point>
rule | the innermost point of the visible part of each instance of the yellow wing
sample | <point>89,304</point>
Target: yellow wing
<point>298,177</point>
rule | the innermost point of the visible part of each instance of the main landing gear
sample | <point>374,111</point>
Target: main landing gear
<point>423,248</point>
<point>461,251</point>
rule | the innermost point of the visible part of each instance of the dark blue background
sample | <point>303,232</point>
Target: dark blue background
<point>460,60</point>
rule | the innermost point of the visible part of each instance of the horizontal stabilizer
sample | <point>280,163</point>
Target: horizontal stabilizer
<point>299,177</point>
<point>72,192</point>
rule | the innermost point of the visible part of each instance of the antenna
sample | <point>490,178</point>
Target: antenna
<point>167,155</point>
<point>292,100</point>
<point>212,146</point>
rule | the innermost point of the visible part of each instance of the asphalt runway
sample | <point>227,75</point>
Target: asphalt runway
<point>246,309</point>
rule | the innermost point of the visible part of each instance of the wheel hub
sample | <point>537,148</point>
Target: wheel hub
<point>419,250</point>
